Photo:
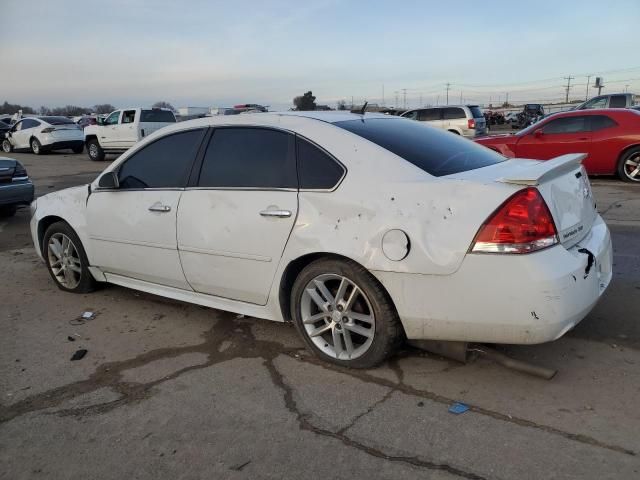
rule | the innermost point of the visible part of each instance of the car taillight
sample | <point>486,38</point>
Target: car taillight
<point>19,171</point>
<point>522,224</point>
<point>47,130</point>
<point>472,123</point>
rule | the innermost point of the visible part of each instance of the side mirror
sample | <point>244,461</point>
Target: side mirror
<point>100,121</point>
<point>109,181</point>
<point>538,133</point>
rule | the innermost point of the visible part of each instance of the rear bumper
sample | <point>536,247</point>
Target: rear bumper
<point>63,144</point>
<point>518,299</point>
<point>16,193</point>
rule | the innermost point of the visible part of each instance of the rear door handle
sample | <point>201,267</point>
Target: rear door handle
<point>158,207</point>
<point>276,213</point>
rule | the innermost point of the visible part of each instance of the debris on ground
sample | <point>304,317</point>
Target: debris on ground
<point>88,315</point>
<point>71,339</point>
<point>458,407</point>
<point>79,354</point>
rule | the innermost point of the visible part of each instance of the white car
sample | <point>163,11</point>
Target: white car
<point>44,134</point>
<point>361,229</point>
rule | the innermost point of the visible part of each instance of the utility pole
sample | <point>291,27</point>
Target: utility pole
<point>437,100</point>
<point>383,94</point>
<point>460,97</point>
<point>396,102</point>
<point>404,98</point>
<point>626,88</point>
<point>586,95</point>
<point>507,99</point>
<point>448,87</point>
<point>568,79</point>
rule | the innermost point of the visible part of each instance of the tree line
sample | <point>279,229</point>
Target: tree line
<point>68,110</point>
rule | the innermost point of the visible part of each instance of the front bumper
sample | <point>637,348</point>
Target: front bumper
<point>18,193</point>
<point>518,299</point>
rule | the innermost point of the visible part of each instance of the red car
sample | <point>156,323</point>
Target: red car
<point>610,137</point>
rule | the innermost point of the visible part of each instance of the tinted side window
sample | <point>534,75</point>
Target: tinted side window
<point>164,163</point>
<point>429,114</point>
<point>316,169</point>
<point>618,101</point>
<point>433,150</point>
<point>599,122</point>
<point>454,113</point>
<point>413,115</point>
<point>249,158</point>
<point>567,125</point>
<point>28,123</point>
<point>157,116</point>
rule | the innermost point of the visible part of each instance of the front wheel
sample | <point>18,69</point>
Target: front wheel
<point>6,146</point>
<point>96,153</point>
<point>344,315</point>
<point>629,166</point>
<point>66,259</point>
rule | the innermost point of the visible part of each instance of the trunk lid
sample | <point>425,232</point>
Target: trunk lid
<point>565,187</point>
<point>7,168</point>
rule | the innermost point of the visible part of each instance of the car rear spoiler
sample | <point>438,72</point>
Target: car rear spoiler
<point>537,173</point>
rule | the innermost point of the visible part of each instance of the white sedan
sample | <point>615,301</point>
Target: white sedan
<point>44,134</point>
<point>361,229</point>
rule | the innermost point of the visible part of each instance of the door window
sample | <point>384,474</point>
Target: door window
<point>413,115</point>
<point>429,114</point>
<point>128,116</point>
<point>29,123</point>
<point>600,122</point>
<point>618,101</point>
<point>316,169</point>
<point>164,163</point>
<point>454,113</point>
<point>112,119</point>
<point>249,158</point>
<point>595,103</point>
<point>567,125</point>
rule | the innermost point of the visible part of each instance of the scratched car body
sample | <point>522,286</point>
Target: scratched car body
<point>361,229</point>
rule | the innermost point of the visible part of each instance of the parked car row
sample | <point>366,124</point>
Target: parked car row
<point>465,120</point>
<point>44,134</point>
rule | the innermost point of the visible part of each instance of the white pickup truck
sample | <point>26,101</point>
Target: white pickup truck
<point>123,128</point>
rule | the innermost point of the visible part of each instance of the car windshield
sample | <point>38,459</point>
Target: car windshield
<point>157,116</point>
<point>435,151</point>
<point>57,120</point>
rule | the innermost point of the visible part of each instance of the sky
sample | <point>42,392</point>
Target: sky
<point>220,53</point>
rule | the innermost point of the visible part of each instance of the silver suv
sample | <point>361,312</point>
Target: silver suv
<point>465,120</point>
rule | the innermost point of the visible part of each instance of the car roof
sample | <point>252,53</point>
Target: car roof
<point>593,111</point>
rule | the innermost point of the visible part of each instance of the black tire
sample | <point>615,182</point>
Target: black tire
<point>624,171</point>
<point>86,281</point>
<point>36,146</point>
<point>6,146</point>
<point>78,149</point>
<point>8,210</point>
<point>95,151</point>
<point>388,333</point>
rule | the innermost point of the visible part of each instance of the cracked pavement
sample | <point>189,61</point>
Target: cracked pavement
<point>172,390</point>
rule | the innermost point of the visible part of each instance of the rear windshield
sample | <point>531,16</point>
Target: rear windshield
<point>57,120</point>
<point>475,111</point>
<point>435,151</point>
<point>157,116</point>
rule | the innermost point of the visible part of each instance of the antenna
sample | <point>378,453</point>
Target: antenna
<point>364,107</point>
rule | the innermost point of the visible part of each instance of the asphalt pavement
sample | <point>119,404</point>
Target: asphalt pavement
<point>173,390</point>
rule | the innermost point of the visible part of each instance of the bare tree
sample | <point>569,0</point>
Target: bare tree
<point>305,102</point>
<point>103,108</point>
<point>163,104</point>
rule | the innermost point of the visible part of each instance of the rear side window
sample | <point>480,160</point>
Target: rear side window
<point>599,122</point>
<point>249,158</point>
<point>316,169</point>
<point>157,116</point>
<point>164,163</point>
<point>567,125</point>
<point>618,101</point>
<point>454,113</point>
<point>429,114</point>
<point>476,112</point>
<point>29,123</point>
<point>435,151</point>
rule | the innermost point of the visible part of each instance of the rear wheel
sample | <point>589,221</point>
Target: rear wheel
<point>36,146</point>
<point>96,153</point>
<point>629,165</point>
<point>344,315</point>
<point>6,146</point>
<point>66,259</point>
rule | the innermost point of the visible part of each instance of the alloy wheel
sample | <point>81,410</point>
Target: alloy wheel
<point>632,167</point>
<point>93,150</point>
<point>337,316</point>
<point>64,260</point>
<point>35,146</point>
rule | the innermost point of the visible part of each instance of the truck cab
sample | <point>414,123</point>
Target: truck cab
<point>121,129</point>
<point>611,100</point>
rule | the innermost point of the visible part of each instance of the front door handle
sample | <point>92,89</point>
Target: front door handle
<point>276,213</point>
<point>158,207</point>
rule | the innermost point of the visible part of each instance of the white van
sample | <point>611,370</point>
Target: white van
<point>465,120</point>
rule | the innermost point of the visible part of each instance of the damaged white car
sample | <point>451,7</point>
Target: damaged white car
<point>361,229</point>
